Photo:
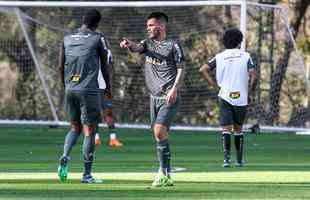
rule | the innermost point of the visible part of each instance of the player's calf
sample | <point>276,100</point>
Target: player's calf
<point>239,140</point>
<point>226,147</point>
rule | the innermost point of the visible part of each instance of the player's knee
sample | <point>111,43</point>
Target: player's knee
<point>108,112</point>
<point>89,129</point>
<point>238,133</point>
<point>238,129</point>
<point>109,120</point>
<point>76,127</point>
<point>160,132</point>
<point>108,116</point>
<point>227,129</point>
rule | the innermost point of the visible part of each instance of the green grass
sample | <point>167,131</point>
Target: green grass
<point>277,167</point>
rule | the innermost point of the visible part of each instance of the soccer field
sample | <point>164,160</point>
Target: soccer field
<point>277,167</point>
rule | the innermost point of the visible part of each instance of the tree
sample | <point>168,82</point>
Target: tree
<point>282,64</point>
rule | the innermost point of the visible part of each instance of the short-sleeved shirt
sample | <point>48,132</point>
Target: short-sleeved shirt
<point>83,49</point>
<point>232,66</point>
<point>161,61</point>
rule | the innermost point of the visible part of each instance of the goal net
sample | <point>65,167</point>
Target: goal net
<point>31,89</point>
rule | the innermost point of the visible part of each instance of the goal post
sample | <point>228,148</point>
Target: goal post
<point>35,29</point>
<point>38,65</point>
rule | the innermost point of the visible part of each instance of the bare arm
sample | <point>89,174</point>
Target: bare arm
<point>252,72</point>
<point>132,46</point>
<point>108,93</point>
<point>252,75</point>
<point>172,94</point>
<point>205,72</point>
<point>252,85</point>
<point>180,76</point>
<point>61,64</point>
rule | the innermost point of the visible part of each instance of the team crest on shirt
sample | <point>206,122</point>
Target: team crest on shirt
<point>75,78</point>
<point>234,95</point>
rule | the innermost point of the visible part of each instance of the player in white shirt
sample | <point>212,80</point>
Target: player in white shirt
<point>234,72</point>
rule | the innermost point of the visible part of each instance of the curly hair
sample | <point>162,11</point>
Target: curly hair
<point>232,38</point>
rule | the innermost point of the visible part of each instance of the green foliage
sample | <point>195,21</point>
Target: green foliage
<point>304,45</point>
<point>9,24</point>
<point>31,100</point>
<point>200,36</point>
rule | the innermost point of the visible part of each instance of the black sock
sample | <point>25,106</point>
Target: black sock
<point>97,129</point>
<point>111,129</point>
<point>239,146</point>
<point>226,145</point>
<point>70,141</point>
<point>164,156</point>
<point>88,153</point>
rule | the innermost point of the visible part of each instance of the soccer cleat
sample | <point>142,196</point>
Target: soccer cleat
<point>97,139</point>
<point>63,169</point>
<point>162,181</point>
<point>90,179</point>
<point>226,163</point>
<point>239,164</point>
<point>115,143</point>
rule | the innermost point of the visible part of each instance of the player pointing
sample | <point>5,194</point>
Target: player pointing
<point>164,70</point>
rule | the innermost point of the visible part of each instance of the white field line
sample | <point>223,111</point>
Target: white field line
<point>244,176</point>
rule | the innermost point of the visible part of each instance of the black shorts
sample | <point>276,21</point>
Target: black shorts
<point>230,114</point>
<point>82,107</point>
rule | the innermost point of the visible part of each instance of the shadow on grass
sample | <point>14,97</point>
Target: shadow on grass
<point>140,189</point>
<point>147,183</point>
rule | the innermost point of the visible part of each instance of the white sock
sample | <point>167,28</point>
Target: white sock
<point>113,136</point>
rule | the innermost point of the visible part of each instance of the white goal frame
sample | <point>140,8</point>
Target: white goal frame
<point>53,4</point>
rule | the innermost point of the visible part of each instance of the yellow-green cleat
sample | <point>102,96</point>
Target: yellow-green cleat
<point>63,169</point>
<point>162,181</point>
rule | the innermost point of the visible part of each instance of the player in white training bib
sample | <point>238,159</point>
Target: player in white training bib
<point>234,72</point>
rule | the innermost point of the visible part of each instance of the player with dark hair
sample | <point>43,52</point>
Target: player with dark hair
<point>234,68</point>
<point>164,71</point>
<point>83,71</point>
<point>232,38</point>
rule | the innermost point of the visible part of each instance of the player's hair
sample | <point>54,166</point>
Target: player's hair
<point>92,18</point>
<point>232,38</point>
<point>159,16</point>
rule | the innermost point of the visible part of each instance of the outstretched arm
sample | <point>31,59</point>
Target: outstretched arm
<point>132,46</point>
